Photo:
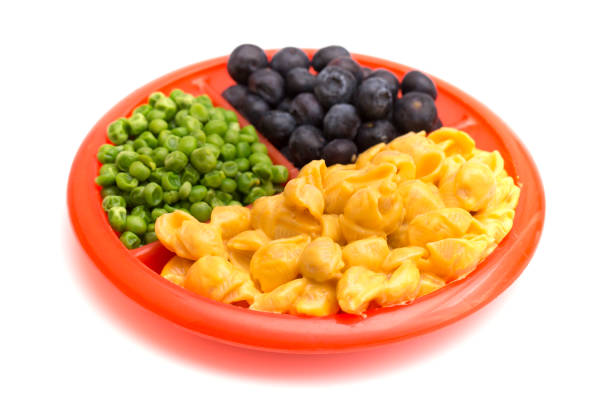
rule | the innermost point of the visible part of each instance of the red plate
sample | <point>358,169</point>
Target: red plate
<point>136,272</point>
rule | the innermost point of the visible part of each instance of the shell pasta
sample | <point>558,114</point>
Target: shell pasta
<point>404,220</point>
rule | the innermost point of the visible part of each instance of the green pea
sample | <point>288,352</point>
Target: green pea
<point>180,131</point>
<point>232,136</point>
<point>214,178</point>
<point>280,174</point>
<point>219,165</point>
<point>185,205</point>
<point>105,180</point>
<point>216,114</point>
<point>155,114</point>
<point>149,237</point>
<point>140,143</point>
<point>154,97</point>
<point>125,159</point>
<point>192,124</point>
<point>203,160</point>
<point>117,131</point>
<point>147,160</point>
<point>180,116</point>
<point>224,197</point>
<point>255,193</point>
<point>234,202</point>
<point>243,150</point>
<point>156,175</point>
<point>185,101</point>
<point>137,196</point>
<point>243,137</point>
<point>187,144</point>
<point>107,153</point>
<point>215,140</point>
<point>190,174</point>
<point>136,224</point>
<point>201,211</point>
<point>157,125</point>
<point>117,216</point>
<point>210,195</point>
<point>112,201</point>
<point>176,161</point>
<point>197,193</point>
<point>204,100</point>
<point>258,147</point>
<point>200,136</point>
<point>141,211</point>
<point>109,190</point>
<point>171,197</point>
<point>249,130</point>
<point>230,169</point>
<point>109,169</point>
<point>139,171</point>
<point>199,111</point>
<point>228,185</point>
<point>215,202</point>
<point>130,240</point>
<point>214,126</point>
<point>159,155</point>
<point>246,181</point>
<point>214,149</point>
<point>243,164</point>
<point>170,181</point>
<point>263,170</point>
<point>166,105</point>
<point>128,146</point>
<point>170,142</point>
<point>153,194</point>
<point>184,190</point>
<point>145,150</point>
<point>169,208</point>
<point>149,139</point>
<point>137,124</point>
<point>228,152</point>
<point>230,116</point>
<point>156,213</point>
<point>258,157</point>
<point>176,93</point>
<point>144,109</point>
<point>126,182</point>
<point>268,187</point>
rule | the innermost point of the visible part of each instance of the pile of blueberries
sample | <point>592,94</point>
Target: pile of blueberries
<point>334,114</point>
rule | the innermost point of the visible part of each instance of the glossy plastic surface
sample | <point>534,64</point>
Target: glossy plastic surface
<point>136,272</point>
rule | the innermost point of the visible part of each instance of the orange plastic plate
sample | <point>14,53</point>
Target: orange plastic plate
<point>136,272</point>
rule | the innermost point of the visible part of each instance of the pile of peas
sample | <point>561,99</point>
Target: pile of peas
<point>180,152</point>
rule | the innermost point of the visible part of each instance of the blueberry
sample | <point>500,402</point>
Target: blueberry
<point>388,77</point>
<point>374,99</point>
<point>334,85</point>
<point>347,63</point>
<point>307,110</point>
<point>365,72</point>
<point>277,125</point>
<point>437,124</point>
<point>235,95</point>
<point>287,153</point>
<point>415,111</point>
<point>305,144</point>
<point>287,58</point>
<point>268,84</point>
<point>374,132</point>
<point>416,81</point>
<point>325,55</point>
<point>244,60</point>
<point>253,108</point>
<point>341,151</point>
<point>299,80</point>
<point>341,121</point>
<point>285,105</point>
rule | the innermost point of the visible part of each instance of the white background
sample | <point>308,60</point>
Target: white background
<point>72,342</point>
